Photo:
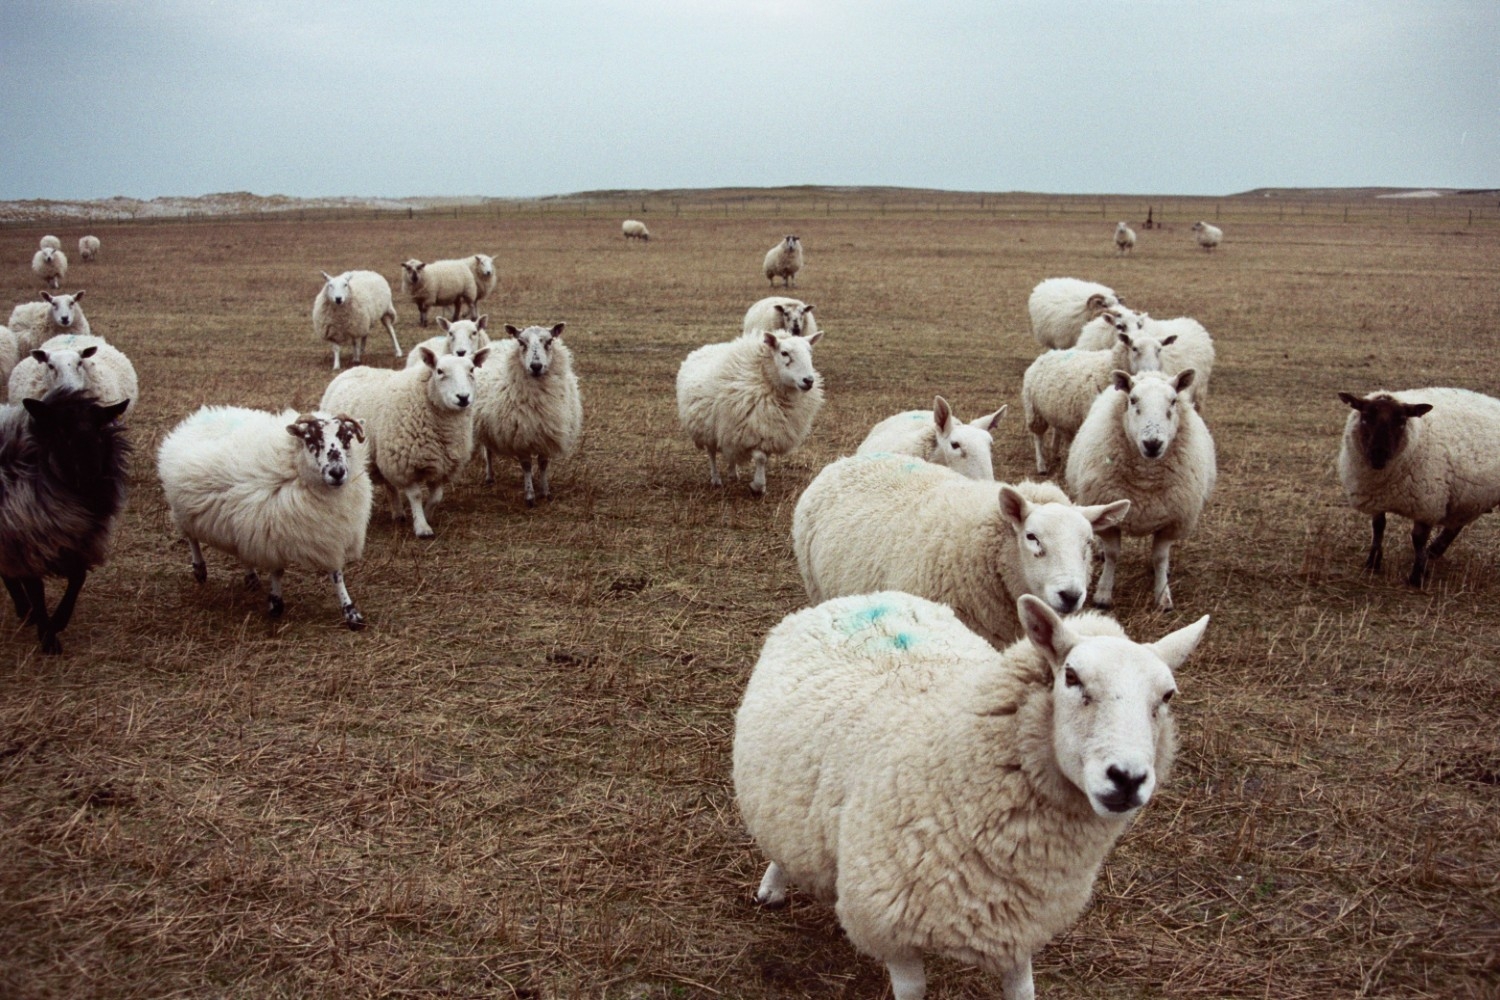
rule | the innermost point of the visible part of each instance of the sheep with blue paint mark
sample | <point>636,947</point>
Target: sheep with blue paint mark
<point>938,436</point>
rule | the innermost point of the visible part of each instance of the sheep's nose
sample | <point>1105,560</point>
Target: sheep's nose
<point>336,476</point>
<point>1126,793</point>
<point>1152,447</point>
<point>1068,600</point>
<point>463,401</point>
<point>536,368</point>
<point>807,384</point>
<point>460,353</point>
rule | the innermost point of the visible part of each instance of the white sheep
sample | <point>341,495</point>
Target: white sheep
<point>777,312</point>
<point>946,797</point>
<point>50,265</point>
<point>347,309</point>
<point>1142,440</point>
<point>937,436</point>
<point>485,280</point>
<point>419,423</point>
<point>784,260</point>
<point>1099,333</point>
<point>34,322</point>
<point>884,522</point>
<point>1059,387</point>
<point>1184,343</point>
<point>1059,307</point>
<point>462,337</point>
<point>272,490</point>
<point>80,362</point>
<point>439,283</point>
<point>528,406</point>
<point>1124,238</point>
<point>635,229</point>
<point>1427,454</point>
<point>1208,236</point>
<point>88,247</point>
<point>749,398</point>
<point>49,242</point>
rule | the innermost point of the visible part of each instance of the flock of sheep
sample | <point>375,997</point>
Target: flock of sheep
<point>945,744</point>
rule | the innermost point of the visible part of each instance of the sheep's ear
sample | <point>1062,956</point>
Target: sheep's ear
<point>988,423</point>
<point>428,358</point>
<point>1355,401</point>
<point>1113,314</point>
<point>301,428</point>
<point>47,297</point>
<point>88,352</point>
<point>1046,629</point>
<point>1174,648</point>
<point>770,339</point>
<point>1123,337</point>
<point>443,322</point>
<point>814,338</point>
<point>1185,379</point>
<point>78,295</point>
<point>1415,409</point>
<point>480,322</point>
<point>512,330</point>
<point>1013,506</point>
<point>108,414</point>
<point>807,309</point>
<point>942,413</point>
<point>781,310</point>
<point>326,276</point>
<point>1106,515</point>
<point>1121,380</point>
<point>39,355</point>
<point>481,356</point>
<point>557,329</point>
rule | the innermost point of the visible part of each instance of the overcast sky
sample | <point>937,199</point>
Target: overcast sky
<point>533,97</point>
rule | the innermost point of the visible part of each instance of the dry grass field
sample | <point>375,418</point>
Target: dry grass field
<point>515,782</point>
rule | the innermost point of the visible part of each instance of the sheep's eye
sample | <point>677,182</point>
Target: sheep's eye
<point>1031,537</point>
<point>953,445</point>
<point>1070,678</point>
<point>1167,697</point>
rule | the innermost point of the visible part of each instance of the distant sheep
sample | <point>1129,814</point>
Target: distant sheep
<point>88,247</point>
<point>1059,307</point>
<point>439,283</point>
<point>463,338</point>
<point>1124,238</point>
<point>51,266</point>
<point>749,398</point>
<point>49,243</point>
<point>347,309</point>
<point>777,312</point>
<point>784,260</point>
<point>949,798</point>
<point>77,361</point>
<point>937,436</point>
<point>635,229</point>
<point>485,280</point>
<point>34,322</point>
<point>1208,236</point>
<point>1427,454</point>
<point>528,406</point>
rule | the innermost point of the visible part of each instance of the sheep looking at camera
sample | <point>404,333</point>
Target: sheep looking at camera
<point>783,261</point>
<point>347,309</point>
<point>81,362</point>
<point>50,265</point>
<point>88,247</point>
<point>937,436</point>
<point>777,312</point>
<point>34,322</point>
<point>1124,238</point>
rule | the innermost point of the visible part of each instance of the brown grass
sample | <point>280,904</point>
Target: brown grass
<point>515,783</point>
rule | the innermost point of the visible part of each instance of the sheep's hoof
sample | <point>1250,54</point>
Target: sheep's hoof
<point>1103,605</point>
<point>353,618</point>
<point>275,606</point>
<point>200,572</point>
<point>769,901</point>
<point>428,534</point>
<point>252,580</point>
<point>531,501</point>
<point>51,645</point>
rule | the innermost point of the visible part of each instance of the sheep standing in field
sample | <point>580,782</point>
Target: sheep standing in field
<point>1427,454</point>
<point>485,280</point>
<point>1059,307</point>
<point>49,242</point>
<point>1208,236</point>
<point>64,467</point>
<point>884,522</point>
<point>635,229</point>
<point>1184,343</point>
<point>80,362</point>
<point>1143,440</point>
<point>34,322</point>
<point>1124,239</point>
<point>439,283</point>
<point>88,247</point>
<point>783,261</point>
<point>463,338</point>
<point>937,436</point>
<point>528,405</point>
<point>946,797</point>
<point>272,490</point>
<point>1101,332</point>
<point>51,266</point>
<point>348,307</point>
<point>419,423</point>
<point>1059,387</point>
<point>777,312</point>
<point>749,398</point>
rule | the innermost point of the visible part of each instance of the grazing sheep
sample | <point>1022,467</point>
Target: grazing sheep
<point>272,490</point>
<point>485,280</point>
<point>82,362</point>
<point>64,466</point>
<point>1124,238</point>
<point>1427,454</point>
<point>749,398</point>
<point>885,522</point>
<point>528,405</point>
<point>777,312</point>
<point>347,308</point>
<point>49,243</point>
<point>1143,441</point>
<point>34,322</point>
<point>946,797</point>
<point>1059,387</point>
<point>88,247</point>
<point>419,424</point>
<point>1207,236</point>
<point>463,338</point>
<point>439,283</point>
<point>635,229</point>
<point>51,266</point>
<point>1059,308</point>
<point>937,436</point>
<point>784,260</point>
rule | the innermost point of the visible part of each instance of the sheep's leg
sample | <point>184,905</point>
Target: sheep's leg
<point>1104,590</point>
<point>19,598</point>
<point>200,567</point>
<point>418,515</point>
<point>1377,541</point>
<point>713,468</point>
<point>352,617</point>
<point>526,488</point>
<point>335,357</point>
<point>434,497</point>
<point>1161,563</point>
<point>489,468</point>
<point>252,578</point>
<point>63,613</point>
<point>36,596</point>
<point>909,979</point>
<point>421,315</point>
<point>1041,452</point>
<point>389,320</point>
<point>772,891</point>
<point>275,606</point>
<point>394,496</point>
<point>1015,982</point>
<point>758,480</point>
<point>359,351</point>
<point>1419,535</point>
<point>541,474</point>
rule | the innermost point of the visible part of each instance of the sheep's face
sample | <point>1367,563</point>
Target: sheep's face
<point>336,288</point>
<point>1379,425</point>
<point>1055,545</point>
<point>792,358</point>
<point>485,265</point>
<point>411,274</point>
<point>63,309</point>
<point>464,336</point>
<point>794,318</point>
<point>965,448</point>
<point>330,445</point>
<point>535,347</point>
<point>451,385</point>
<point>68,369</point>
<point>48,255</point>
<point>1142,353</point>
<point>1153,413</point>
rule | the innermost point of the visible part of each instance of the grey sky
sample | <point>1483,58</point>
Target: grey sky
<point>532,97</point>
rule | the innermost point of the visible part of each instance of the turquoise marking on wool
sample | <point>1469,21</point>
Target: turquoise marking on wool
<point>903,640</point>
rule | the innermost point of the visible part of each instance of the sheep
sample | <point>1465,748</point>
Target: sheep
<point>348,306</point>
<point>1099,333</point>
<point>887,522</point>
<point>34,322</point>
<point>752,397</point>
<point>10,353</point>
<point>1059,308</point>
<point>463,337</point>
<point>528,405</point>
<point>777,312</point>
<point>937,436</point>
<point>64,466</point>
<point>49,243</point>
<point>1143,441</point>
<point>419,424</point>
<point>1427,454</point>
<point>83,362</point>
<point>485,280</point>
<point>1184,343</point>
<point>1059,387</point>
<point>635,229</point>
<point>439,283</point>
<point>949,798</point>
<point>272,490</point>
<point>783,261</point>
<point>1208,236</point>
<point>1124,238</point>
<point>51,266</point>
<point>88,247</point>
